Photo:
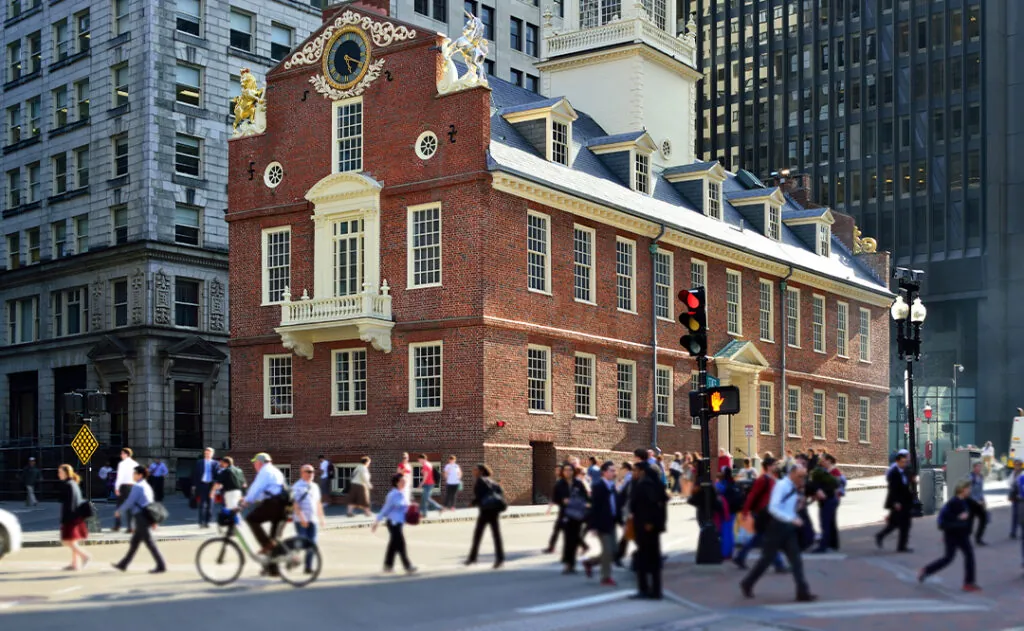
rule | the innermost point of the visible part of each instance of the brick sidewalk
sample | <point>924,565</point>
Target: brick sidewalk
<point>864,587</point>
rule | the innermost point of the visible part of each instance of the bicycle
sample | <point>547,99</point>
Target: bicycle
<point>220,560</point>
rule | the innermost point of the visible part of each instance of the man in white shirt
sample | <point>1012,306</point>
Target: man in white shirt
<point>266,490</point>
<point>988,456</point>
<point>324,478</point>
<point>783,534</point>
<point>123,485</point>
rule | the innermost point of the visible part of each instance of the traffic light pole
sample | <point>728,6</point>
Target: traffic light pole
<point>709,551</point>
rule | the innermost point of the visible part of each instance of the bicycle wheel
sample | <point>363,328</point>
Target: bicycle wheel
<point>219,561</point>
<point>299,563</point>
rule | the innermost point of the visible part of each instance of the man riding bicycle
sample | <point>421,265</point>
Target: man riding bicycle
<point>267,491</point>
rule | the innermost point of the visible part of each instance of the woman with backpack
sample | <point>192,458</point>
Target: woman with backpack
<point>572,511</point>
<point>72,524</point>
<point>490,499</point>
<point>732,498</point>
<point>955,524</point>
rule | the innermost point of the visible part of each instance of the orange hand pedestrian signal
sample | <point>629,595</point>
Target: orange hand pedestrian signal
<point>716,401</point>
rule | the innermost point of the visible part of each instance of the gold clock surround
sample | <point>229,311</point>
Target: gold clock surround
<point>327,57</point>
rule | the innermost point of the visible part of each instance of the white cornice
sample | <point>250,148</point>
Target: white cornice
<point>632,50</point>
<point>561,110</point>
<point>340,192</point>
<point>774,197</point>
<point>716,173</point>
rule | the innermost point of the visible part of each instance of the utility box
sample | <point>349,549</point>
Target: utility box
<point>958,467</point>
<point>931,486</point>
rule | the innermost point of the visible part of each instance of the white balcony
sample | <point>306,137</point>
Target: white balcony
<point>625,31</point>
<point>308,321</point>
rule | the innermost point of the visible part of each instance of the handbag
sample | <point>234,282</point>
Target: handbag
<point>85,510</point>
<point>494,501</point>
<point>576,508</point>
<point>629,532</point>
<point>156,512</point>
<point>747,522</point>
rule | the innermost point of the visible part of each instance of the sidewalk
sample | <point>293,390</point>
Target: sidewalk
<point>40,530</point>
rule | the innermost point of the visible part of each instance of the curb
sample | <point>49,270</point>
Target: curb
<point>106,540</point>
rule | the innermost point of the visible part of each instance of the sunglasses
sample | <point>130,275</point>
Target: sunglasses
<point>307,471</point>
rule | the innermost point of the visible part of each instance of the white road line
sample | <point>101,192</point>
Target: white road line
<point>8,605</point>
<point>68,590</point>
<point>577,602</point>
<point>874,607</point>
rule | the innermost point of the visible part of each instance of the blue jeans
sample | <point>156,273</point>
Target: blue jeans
<point>827,516</point>
<point>728,537</point>
<point>309,532</point>
<point>1014,517</point>
<point>752,543</point>
<point>426,500</point>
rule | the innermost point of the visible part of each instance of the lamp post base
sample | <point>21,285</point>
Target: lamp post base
<point>709,548</point>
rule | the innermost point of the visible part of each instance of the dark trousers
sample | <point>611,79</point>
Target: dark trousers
<point>272,510</point>
<point>571,528</point>
<point>1014,517</point>
<point>623,546</point>
<point>954,541</point>
<point>753,542</point>
<point>123,491</point>
<point>451,492</point>
<point>979,513</point>
<point>676,476</point>
<point>553,541</point>
<point>396,545</point>
<point>142,535</point>
<point>203,503</point>
<point>827,517</point>
<point>157,482</point>
<point>898,520</point>
<point>785,538</point>
<point>648,562</point>
<point>484,519</point>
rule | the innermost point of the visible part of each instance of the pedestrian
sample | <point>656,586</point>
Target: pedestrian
<point>72,525</point>
<point>1015,496</point>
<point>229,481</point>
<point>558,495</point>
<point>359,488</point>
<point>840,494</point>
<point>489,515</point>
<point>988,456</point>
<point>976,502</point>
<point>747,474</point>
<point>139,497</point>
<point>955,523</point>
<point>648,505</point>
<point>157,476</point>
<point>593,472</point>
<point>623,516</point>
<point>308,509</point>
<point>452,482</point>
<point>584,479</point>
<point>812,461</point>
<point>395,506</point>
<point>427,486</point>
<point>202,482</point>
<point>783,534</point>
<point>326,474</point>
<point>30,477</point>
<point>675,471</point>
<point>898,500</point>
<point>104,474</point>
<point>572,512</point>
<point>825,488</point>
<point>406,470</point>
<point>733,498</point>
<point>689,474</point>
<point>123,483</point>
<point>604,511</point>
<point>724,460</point>
<point>756,506</point>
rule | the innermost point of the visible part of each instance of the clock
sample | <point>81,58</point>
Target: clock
<point>347,57</point>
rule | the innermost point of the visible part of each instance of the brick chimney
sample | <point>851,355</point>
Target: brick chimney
<point>380,7</point>
<point>797,186</point>
<point>842,229</point>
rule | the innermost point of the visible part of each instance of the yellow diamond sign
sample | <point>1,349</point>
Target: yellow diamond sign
<point>85,444</point>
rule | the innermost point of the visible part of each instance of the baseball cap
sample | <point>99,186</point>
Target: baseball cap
<point>261,457</point>
<point>902,452</point>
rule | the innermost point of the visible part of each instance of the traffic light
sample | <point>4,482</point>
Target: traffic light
<point>694,319</point>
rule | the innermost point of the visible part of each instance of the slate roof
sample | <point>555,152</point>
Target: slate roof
<point>615,138</point>
<point>754,192</point>
<point>588,178</point>
<point>731,348</point>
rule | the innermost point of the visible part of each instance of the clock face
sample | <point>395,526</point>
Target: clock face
<point>347,58</point>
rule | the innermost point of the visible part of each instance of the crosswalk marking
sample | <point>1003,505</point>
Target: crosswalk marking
<point>576,603</point>
<point>874,607</point>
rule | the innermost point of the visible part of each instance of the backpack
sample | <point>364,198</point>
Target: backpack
<point>494,501</point>
<point>943,518</point>
<point>412,515</point>
<point>734,499</point>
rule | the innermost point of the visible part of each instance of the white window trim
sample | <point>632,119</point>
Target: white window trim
<point>547,380</point>
<point>410,257</point>
<point>823,247</point>
<point>671,397</point>
<point>704,271</point>
<point>789,338</point>
<point>334,481</point>
<point>593,264</point>
<point>824,413</point>
<point>412,376</point>
<point>861,438</point>
<point>632,277</point>
<point>739,302</point>
<point>771,309</point>
<point>769,224</point>
<point>550,136</point>
<point>266,386</point>
<point>264,270</point>
<point>843,422</point>
<point>771,408</point>
<point>843,334</point>
<point>547,254</point>
<point>670,299</point>
<point>860,337</point>
<point>335,106</point>
<point>791,410</point>
<point>632,398</point>
<point>634,155</point>
<point>824,322</point>
<point>593,386</point>
<point>334,384</point>
<point>707,199</point>
<point>286,471</point>
<point>19,324</point>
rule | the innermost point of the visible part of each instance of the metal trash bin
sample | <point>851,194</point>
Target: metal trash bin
<point>931,489</point>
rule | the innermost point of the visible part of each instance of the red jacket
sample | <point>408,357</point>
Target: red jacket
<point>760,494</point>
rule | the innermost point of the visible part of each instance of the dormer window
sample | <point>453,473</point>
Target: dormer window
<point>824,240</point>
<point>560,142</point>
<point>641,172</point>
<point>714,201</point>
<point>628,157</point>
<point>773,223</point>
<point>547,125</point>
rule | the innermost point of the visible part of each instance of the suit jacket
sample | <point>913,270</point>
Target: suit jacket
<point>199,468</point>
<point>898,490</point>
<point>602,518</point>
<point>648,502</point>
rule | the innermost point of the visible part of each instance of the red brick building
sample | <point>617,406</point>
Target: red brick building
<point>478,273</point>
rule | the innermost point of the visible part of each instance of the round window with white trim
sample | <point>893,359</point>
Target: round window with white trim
<point>426,145</point>
<point>273,174</point>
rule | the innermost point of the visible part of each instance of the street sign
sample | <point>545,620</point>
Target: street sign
<point>749,431</point>
<point>713,382</point>
<point>906,428</point>
<point>85,444</point>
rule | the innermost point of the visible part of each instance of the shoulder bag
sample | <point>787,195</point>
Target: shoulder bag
<point>576,508</point>
<point>156,512</point>
<point>494,501</point>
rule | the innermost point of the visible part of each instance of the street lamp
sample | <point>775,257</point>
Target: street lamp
<point>909,314</point>
<point>957,368</point>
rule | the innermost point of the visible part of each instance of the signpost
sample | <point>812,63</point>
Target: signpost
<point>749,431</point>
